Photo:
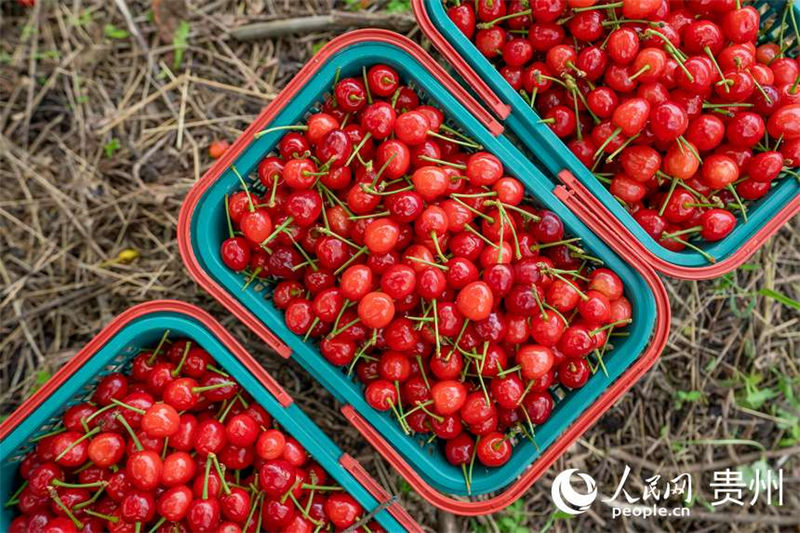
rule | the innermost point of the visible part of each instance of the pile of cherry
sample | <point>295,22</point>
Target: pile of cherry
<point>670,103</point>
<point>404,250</point>
<point>175,445</point>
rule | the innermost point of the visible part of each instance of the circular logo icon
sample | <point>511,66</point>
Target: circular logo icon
<point>569,500</point>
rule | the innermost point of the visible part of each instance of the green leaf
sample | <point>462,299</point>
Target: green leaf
<point>111,147</point>
<point>180,41</point>
<point>755,399</point>
<point>41,378</point>
<point>691,396</point>
<point>782,298</point>
<point>405,488</point>
<point>398,6</point>
<point>316,47</point>
<point>112,32</point>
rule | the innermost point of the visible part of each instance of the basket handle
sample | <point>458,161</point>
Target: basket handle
<point>379,493</point>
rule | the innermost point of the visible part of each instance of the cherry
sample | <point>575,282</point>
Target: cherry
<point>573,373</point>
<point>448,396</point>
<point>144,469</point>
<point>106,449</point>
<point>717,224</point>
<point>256,225</point>
<point>376,310</point>
<point>475,301</point>
<point>342,510</point>
<point>381,395</point>
<point>235,253</point>
<point>493,450</point>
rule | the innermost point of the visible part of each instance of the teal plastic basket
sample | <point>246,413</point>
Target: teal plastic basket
<point>141,328</point>
<point>765,216</point>
<point>202,228</point>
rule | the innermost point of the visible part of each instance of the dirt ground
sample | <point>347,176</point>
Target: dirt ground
<point>107,109</point>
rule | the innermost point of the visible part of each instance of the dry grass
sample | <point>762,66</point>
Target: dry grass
<point>100,139</point>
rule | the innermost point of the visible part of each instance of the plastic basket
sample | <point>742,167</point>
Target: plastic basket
<point>142,327</point>
<point>765,216</point>
<point>201,229</point>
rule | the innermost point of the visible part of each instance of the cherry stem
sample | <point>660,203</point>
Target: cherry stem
<point>686,231</point>
<point>78,441</point>
<point>91,500</point>
<point>608,140</point>
<point>177,371</point>
<point>127,406</point>
<point>129,429</point>
<point>308,486</point>
<point>249,281</point>
<point>474,211</point>
<point>795,85</point>
<point>436,417</point>
<point>568,282</point>
<point>371,215</point>
<point>64,484</point>
<point>708,257</point>
<point>153,357</point>
<point>418,407</point>
<point>443,162</point>
<point>337,236</point>
<point>343,328</point>
<point>205,478</point>
<point>14,499</point>
<point>358,148</point>
<point>213,387</point>
<point>157,525</point>
<point>598,6</point>
<point>366,84</point>
<point>220,472</point>
<point>725,81</point>
<point>457,133</point>
<point>735,194</point>
<point>61,429</point>
<point>228,218</point>
<point>682,142</point>
<point>350,261</point>
<point>539,303</point>
<point>311,328</point>
<point>246,188</point>
<point>475,195</point>
<point>491,23</point>
<point>612,325</point>
<point>112,519</point>
<point>435,239</point>
<point>295,127</point>
<point>403,425</point>
<point>639,72</point>
<point>369,190</point>
<point>422,371</point>
<point>619,150</point>
<point>429,263</point>
<point>436,327</point>
<point>466,478</point>
<point>57,499</point>
<point>474,146</point>
<point>668,197</point>
<point>508,371</point>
